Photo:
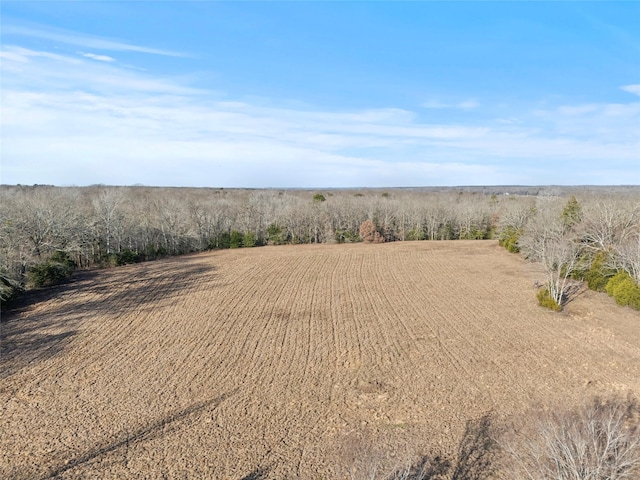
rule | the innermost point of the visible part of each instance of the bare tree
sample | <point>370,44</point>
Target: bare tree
<point>627,254</point>
<point>598,441</point>
<point>109,216</point>
<point>548,240</point>
<point>515,214</point>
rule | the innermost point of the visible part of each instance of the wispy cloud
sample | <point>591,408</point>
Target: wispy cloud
<point>100,58</point>
<point>635,89</point>
<point>83,40</point>
<point>52,72</point>
<point>464,105</point>
<point>71,120</point>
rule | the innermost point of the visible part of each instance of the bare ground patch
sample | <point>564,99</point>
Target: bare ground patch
<point>262,363</point>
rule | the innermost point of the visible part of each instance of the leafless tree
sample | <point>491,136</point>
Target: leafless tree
<point>600,440</point>
<point>548,240</point>
<point>107,208</point>
<point>605,221</point>
<point>627,254</point>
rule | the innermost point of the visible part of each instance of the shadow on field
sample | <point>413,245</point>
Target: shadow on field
<point>257,474</point>
<point>147,432</point>
<point>478,453</point>
<point>43,322</point>
<point>575,291</point>
<point>477,458</point>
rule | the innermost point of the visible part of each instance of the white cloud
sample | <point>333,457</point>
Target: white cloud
<point>101,58</point>
<point>577,109</point>
<point>55,72</point>
<point>635,89</point>
<point>21,54</point>
<point>509,121</point>
<point>468,104</point>
<point>70,120</point>
<point>82,40</point>
<point>464,105</point>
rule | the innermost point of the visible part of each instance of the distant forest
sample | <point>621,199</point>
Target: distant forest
<point>47,232</point>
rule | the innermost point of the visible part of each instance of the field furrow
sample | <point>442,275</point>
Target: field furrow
<point>276,360</point>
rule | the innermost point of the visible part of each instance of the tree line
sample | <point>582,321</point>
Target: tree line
<point>45,232</point>
<point>596,241</point>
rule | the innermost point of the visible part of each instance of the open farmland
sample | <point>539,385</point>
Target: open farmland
<point>281,359</point>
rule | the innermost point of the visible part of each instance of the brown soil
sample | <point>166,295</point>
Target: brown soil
<point>278,361</point>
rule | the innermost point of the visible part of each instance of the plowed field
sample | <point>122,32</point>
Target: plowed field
<point>232,363</point>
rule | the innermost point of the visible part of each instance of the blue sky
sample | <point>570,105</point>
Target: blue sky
<point>320,94</point>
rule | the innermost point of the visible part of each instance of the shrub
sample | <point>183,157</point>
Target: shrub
<point>446,232</point>
<point>9,288</point>
<point>235,240</point>
<point>48,273</point>
<point>346,236</point>
<point>508,239</point>
<point>598,275</point>
<point>249,240</point>
<point>60,256</point>
<point>276,235</point>
<point>127,256</point>
<point>571,214</point>
<point>155,251</point>
<point>546,300</point>
<point>57,268</point>
<point>628,293</point>
<point>223,240</point>
<point>475,233</point>
<point>624,290</point>
<point>318,198</point>
<point>415,234</point>
<point>616,280</point>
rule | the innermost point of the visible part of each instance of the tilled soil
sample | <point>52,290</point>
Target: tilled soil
<point>290,362</point>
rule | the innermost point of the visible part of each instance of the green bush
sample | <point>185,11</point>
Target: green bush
<point>546,300</point>
<point>624,290</point>
<point>475,233</point>
<point>60,256</point>
<point>108,261</point>
<point>598,275</point>
<point>415,234</point>
<point>154,251</point>
<point>508,239</point>
<point>276,235</point>
<point>249,240</point>
<point>571,213</point>
<point>346,236</point>
<point>127,256</point>
<point>235,240</point>
<point>318,198</point>
<point>224,240</point>
<point>616,280</point>
<point>57,268</point>
<point>9,288</point>
<point>628,294</point>
<point>48,273</point>
<point>446,232</point>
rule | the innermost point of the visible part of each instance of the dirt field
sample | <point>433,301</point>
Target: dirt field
<point>278,361</point>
